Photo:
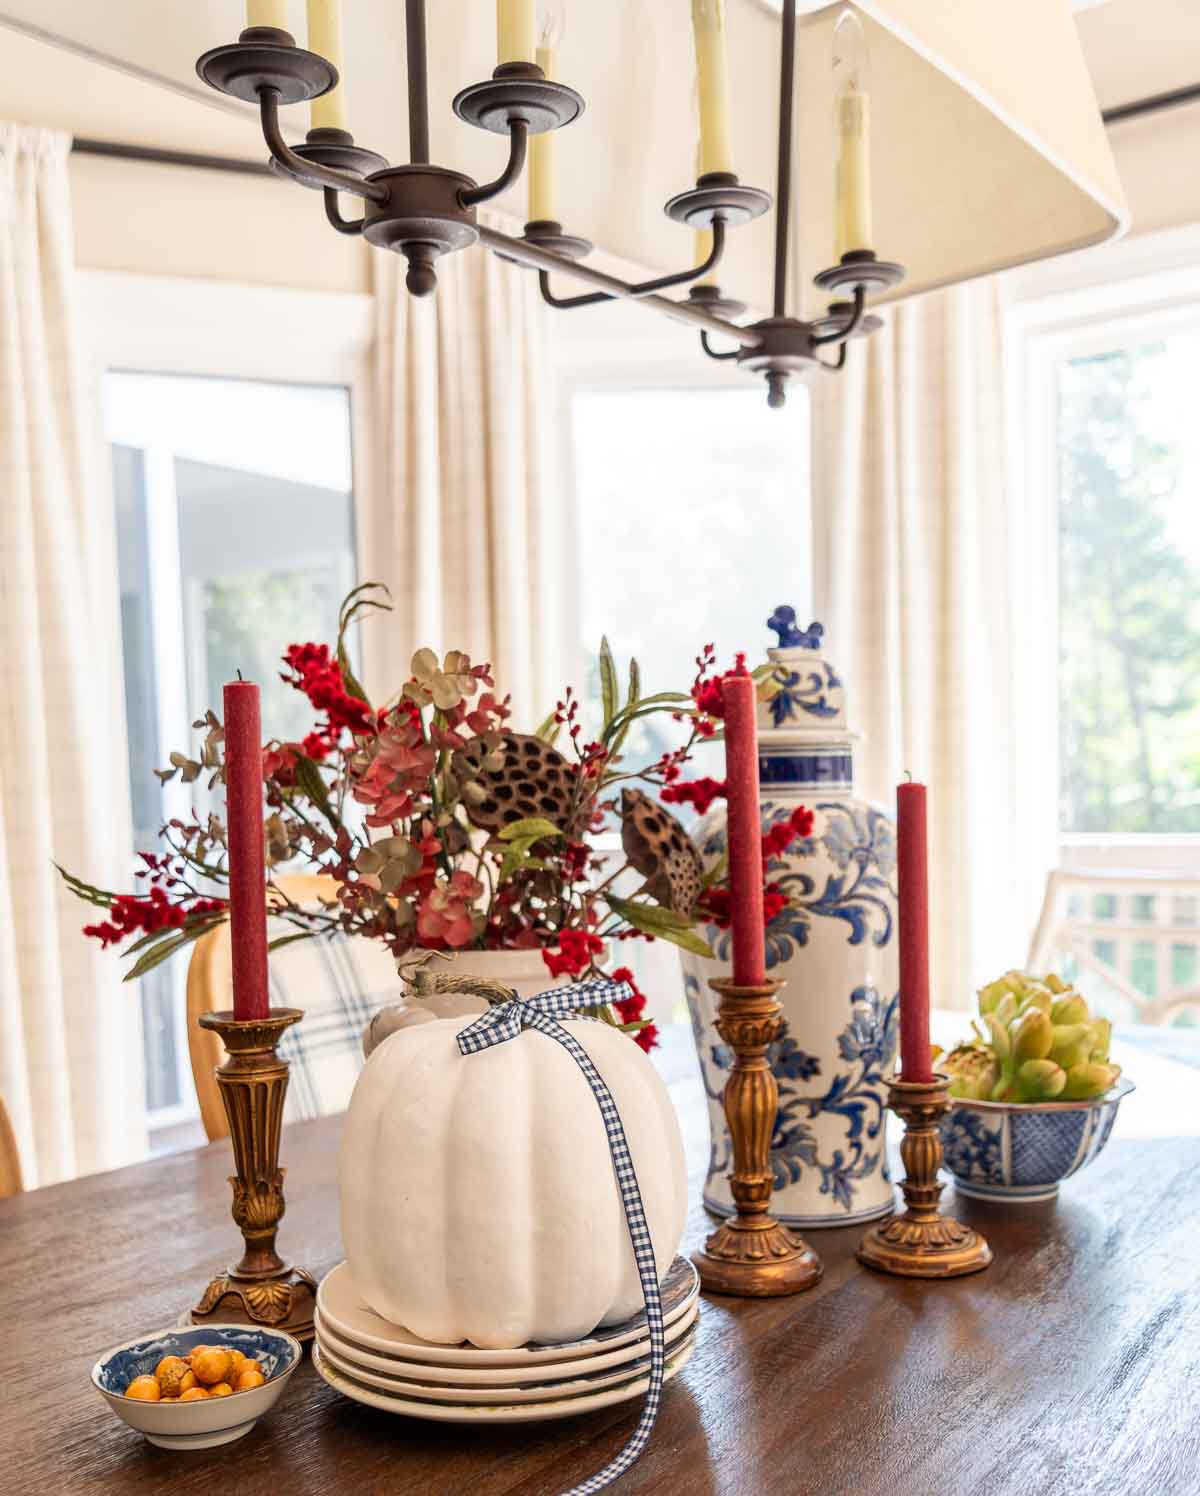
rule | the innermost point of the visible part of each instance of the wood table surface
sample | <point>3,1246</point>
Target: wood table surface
<point>1072,1365</point>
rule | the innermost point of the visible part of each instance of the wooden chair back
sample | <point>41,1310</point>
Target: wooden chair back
<point>210,988</point>
<point>11,1182</point>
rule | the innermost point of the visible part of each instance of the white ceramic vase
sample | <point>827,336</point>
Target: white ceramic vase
<point>834,948</point>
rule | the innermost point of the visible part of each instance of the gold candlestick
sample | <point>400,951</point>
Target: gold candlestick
<point>922,1243</point>
<point>260,1289</point>
<point>753,1254</point>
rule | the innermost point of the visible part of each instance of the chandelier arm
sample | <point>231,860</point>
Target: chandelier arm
<point>418,83</point>
<point>518,139</point>
<point>643,288</point>
<point>297,166</point>
<point>526,252</point>
<point>783,183</point>
<point>712,353</point>
<point>840,334</point>
<point>838,362</point>
<point>333,213</point>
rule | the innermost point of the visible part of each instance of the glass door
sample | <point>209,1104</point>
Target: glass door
<point>235,526</point>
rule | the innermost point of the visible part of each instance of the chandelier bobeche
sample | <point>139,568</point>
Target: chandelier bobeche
<point>423,211</point>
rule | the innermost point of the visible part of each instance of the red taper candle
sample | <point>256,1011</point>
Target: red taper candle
<point>913,872</point>
<point>247,870</point>
<point>744,829</point>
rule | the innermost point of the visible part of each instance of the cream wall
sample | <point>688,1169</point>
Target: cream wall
<point>164,220</point>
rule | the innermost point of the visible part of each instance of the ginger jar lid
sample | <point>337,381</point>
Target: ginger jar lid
<point>808,702</point>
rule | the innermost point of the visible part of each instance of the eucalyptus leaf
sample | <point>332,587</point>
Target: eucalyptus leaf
<point>282,940</point>
<point>308,779</point>
<point>608,682</point>
<point>155,955</point>
<point>664,924</point>
<point>533,827</point>
<point>635,683</point>
<point>548,729</point>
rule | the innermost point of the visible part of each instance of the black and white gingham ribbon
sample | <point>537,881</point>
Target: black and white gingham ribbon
<point>505,1022</point>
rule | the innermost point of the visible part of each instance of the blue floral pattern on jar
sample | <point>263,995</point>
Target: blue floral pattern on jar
<point>867,1046</point>
<point>804,693</point>
<point>860,842</point>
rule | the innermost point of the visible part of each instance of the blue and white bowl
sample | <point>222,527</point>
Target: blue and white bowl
<point>207,1421</point>
<point>1000,1150</point>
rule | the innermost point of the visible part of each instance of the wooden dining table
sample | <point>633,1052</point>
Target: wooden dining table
<point>1071,1365</point>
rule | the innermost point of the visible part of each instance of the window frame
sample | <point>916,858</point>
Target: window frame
<point>1071,307</point>
<point>221,329</point>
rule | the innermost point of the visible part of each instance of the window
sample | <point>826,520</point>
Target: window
<point>1129,585</point>
<point>1109,353</point>
<point>235,536</point>
<point>693,522</point>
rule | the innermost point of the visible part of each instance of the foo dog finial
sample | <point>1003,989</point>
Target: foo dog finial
<point>783,621</point>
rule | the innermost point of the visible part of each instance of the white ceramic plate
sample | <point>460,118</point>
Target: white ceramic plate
<point>565,1383</point>
<point>562,1407</point>
<point>343,1311</point>
<point>497,1376</point>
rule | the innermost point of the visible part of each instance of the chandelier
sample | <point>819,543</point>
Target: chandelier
<point>423,211</point>
<point>1041,178</point>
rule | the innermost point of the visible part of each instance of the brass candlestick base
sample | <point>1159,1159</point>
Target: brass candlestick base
<point>753,1254</point>
<point>922,1243</point>
<point>260,1289</point>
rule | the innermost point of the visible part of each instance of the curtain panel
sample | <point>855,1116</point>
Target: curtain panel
<point>921,572</point>
<point>70,1040</point>
<point>466,518</point>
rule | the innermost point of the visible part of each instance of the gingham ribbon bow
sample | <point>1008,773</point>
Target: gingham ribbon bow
<point>505,1022</point>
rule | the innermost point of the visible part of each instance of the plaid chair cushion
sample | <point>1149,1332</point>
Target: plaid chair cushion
<point>340,983</point>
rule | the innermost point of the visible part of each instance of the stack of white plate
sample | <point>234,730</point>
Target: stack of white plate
<point>385,1366</point>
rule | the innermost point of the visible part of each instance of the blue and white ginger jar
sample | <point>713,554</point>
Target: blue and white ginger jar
<point>834,947</point>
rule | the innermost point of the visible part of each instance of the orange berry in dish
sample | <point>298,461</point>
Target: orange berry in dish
<point>211,1365</point>
<point>193,1394</point>
<point>170,1372</point>
<point>144,1389</point>
<point>250,1378</point>
<point>222,1389</point>
<point>187,1381</point>
<point>238,1363</point>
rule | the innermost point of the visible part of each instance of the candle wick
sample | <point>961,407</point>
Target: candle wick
<point>241,677</point>
<point>907,772</point>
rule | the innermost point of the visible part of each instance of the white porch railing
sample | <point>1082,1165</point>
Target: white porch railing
<point>1126,913</point>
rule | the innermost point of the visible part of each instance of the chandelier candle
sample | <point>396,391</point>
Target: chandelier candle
<point>913,871</point>
<point>541,146</point>
<point>267,13</point>
<point>514,31</point>
<point>247,871</point>
<point>740,697</point>
<point>328,111</point>
<point>708,23</point>
<point>852,209</point>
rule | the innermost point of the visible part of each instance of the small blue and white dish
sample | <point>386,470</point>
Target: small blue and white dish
<point>207,1421</point>
<point>1000,1150</point>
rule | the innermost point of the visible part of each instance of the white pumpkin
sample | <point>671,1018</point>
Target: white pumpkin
<point>478,1196</point>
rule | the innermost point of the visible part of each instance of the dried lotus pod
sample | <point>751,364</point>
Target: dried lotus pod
<point>512,776</point>
<point>661,850</point>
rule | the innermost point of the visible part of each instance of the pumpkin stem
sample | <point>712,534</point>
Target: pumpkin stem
<point>425,983</point>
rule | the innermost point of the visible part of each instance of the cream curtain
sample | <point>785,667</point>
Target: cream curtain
<point>466,519</point>
<point>70,1042</point>
<point>924,582</point>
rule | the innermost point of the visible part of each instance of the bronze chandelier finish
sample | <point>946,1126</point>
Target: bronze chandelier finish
<point>424,211</point>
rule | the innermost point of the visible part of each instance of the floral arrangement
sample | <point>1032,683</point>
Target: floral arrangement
<point>1039,1042</point>
<point>444,829</point>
